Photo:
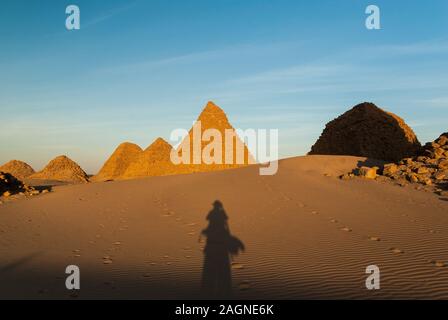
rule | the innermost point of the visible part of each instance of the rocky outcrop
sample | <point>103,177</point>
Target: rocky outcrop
<point>430,167</point>
<point>10,185</point>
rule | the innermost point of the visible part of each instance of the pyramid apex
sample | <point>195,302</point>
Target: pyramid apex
<point>159,143</point>
<point>211,106</point>
<point>212,111</point>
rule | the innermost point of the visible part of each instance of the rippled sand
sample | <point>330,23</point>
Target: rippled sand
<point>307,234</point>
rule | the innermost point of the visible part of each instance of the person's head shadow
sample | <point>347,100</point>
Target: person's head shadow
<point>219,249</point>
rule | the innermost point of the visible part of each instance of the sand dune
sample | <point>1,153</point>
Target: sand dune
<point>306,233</point>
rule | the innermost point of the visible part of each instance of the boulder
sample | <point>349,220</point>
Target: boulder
<point>368,173</point>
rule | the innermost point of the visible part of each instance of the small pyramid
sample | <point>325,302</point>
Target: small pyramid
<point>62,169</point>
<point>368,131</point>
<point>213,117</point>
<point>18,169</point>
<point>118,162</point>
<point>154,161</point>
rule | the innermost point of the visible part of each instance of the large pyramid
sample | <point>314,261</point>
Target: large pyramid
<point>368,131</point>
<point>154,161</point>
<point>212,117</point>
<point>18,169</point>
<point>118,162</point>
<point>62,169</point>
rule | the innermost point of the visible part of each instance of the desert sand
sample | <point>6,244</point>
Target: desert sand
<point>306,234</point>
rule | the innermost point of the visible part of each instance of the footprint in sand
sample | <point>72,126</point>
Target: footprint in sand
<point>237,266</point>
<point>396,250</point>
<point>439,264</point>
<point>346,229</point>
<point>244,285</point>
<point>107,260</point>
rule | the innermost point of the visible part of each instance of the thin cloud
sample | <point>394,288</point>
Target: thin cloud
<point>292,73</point>
<point>198,57</point>
<point>108,15</point>
<point>435,102</point>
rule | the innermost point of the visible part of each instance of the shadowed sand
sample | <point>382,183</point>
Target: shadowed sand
<point>306,233</point>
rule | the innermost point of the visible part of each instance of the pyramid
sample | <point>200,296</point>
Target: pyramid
<point>118,162</point>
<point>154,161</point>
<point>212,117</point>
<point>368,131</point>
<point>62,169</point>
<point>18,169</point>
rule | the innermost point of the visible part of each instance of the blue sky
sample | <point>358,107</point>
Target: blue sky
<point>139,69</point>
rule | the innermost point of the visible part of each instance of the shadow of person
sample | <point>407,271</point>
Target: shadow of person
<point>219,249</point>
